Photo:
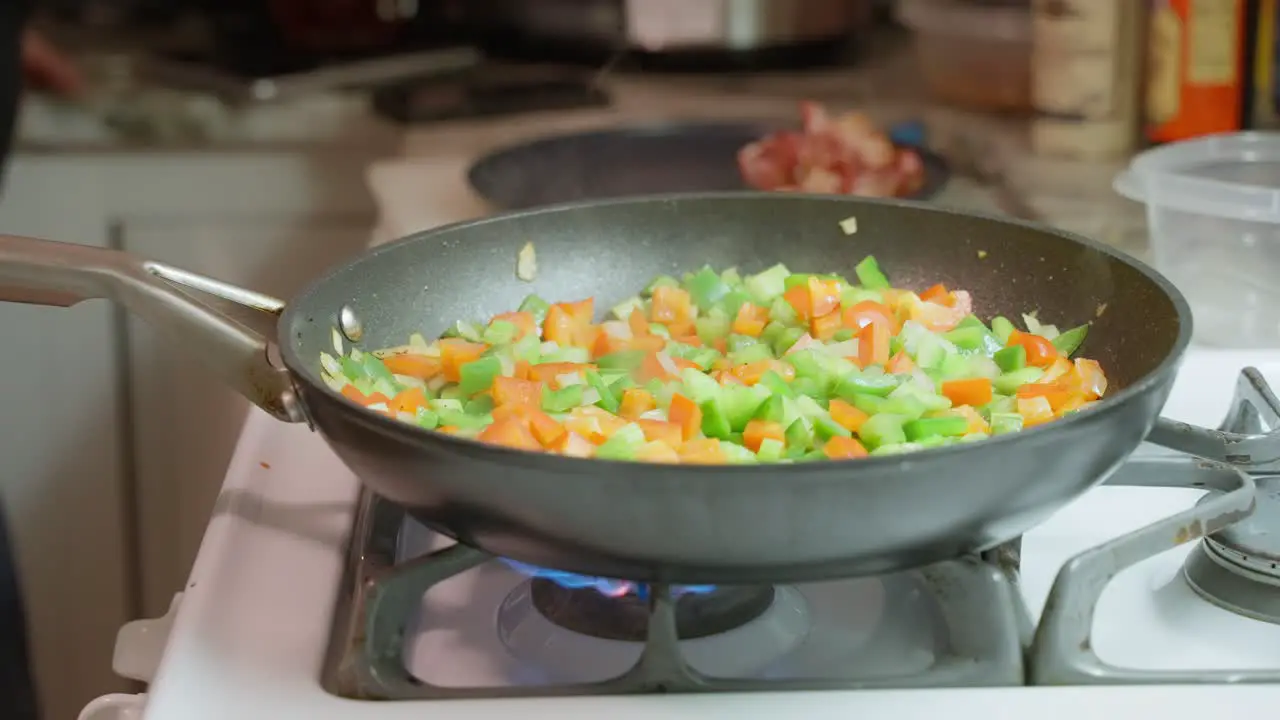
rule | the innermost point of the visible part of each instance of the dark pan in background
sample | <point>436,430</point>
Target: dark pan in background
<point>636,160</point>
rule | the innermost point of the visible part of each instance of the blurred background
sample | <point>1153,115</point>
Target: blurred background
<point>261,141</point>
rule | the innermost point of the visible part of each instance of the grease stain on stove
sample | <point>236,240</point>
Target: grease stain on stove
<point>265,465</point>
<point>1189,532</point>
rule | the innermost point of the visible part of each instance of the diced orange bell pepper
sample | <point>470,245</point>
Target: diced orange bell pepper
<point>638,324</point>
<point>757,431</point>
<point>938,294</point>
<point>545,429</point>
<point>548,372</point>
<point>706,451</point>
<point>750,320</point>
<point>456,352</point>
<point>1089,375</point>
<point>510,433</point>
<point>671,307</point>
<point>824,296</point>
<point>1059,369</point>
<point>1057,393</point>
<point>573,445</point>
<point>823,327</point>
<point>657,452</point>
<point>873,345</point>
<point>969,391</point>
<point>900,364</point>
<point>351,393</point>
<point>843,448</point>
<point>977,423</point>
<point>685,413</point>
<point>525,322</point>
<point>662,431</point>
<point>635,402</point>
<point>415,366</point>
<point>510,390</point>
<point>846,415</point>
<point>861,314</point>
<point>569,324</point>
<point>408,400</point>
<point>799,299</point>
<point>1040,352</point>
<point>726,377</point>
<point>1034,410</point>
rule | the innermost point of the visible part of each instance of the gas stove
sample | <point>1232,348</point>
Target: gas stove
<point>313,599</point>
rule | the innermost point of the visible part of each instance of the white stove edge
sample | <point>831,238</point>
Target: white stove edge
<point>250,630</point>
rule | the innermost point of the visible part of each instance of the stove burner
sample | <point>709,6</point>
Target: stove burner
<point>604,586</point>
<point>626,617</point>
<point>1239,568</point>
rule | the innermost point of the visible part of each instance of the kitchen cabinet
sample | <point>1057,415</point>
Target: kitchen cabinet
<point>116,442</point>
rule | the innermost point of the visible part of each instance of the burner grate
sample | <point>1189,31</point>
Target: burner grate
<point>987,625</point>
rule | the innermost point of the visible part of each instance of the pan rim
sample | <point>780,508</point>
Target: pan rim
<point>574,465</point>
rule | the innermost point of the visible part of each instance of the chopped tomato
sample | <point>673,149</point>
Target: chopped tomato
<point>800,300</point>
<point>670,306</point>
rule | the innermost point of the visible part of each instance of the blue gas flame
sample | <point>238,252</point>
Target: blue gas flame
<point>605,586</point>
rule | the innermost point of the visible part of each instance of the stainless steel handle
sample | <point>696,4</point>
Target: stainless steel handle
<point>44,272</point>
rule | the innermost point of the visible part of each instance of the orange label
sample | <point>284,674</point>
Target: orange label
<point>1195,68</point>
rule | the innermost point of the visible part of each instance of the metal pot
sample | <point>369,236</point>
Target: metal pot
<point>678,25</point>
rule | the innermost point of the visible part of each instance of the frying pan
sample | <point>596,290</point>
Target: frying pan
<point>672,523</point>
<point>635,160</point>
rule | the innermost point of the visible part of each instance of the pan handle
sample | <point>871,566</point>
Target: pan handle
<point>43,272</point>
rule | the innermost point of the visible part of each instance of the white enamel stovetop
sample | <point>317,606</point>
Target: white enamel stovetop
<point>246,637</point>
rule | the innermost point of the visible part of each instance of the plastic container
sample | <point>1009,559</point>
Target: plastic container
<point>1213,212</point>
<point>975,55</point>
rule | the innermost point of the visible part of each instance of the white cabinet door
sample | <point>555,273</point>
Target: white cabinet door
<point>63,483</point>
<point>185,422</point>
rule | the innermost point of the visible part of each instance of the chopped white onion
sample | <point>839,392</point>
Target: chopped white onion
<point>337,342</point>
<point>654,415</point>
<point>330,364</point>
<point>668,364</point>
<point>335,383</point>
<point>573,378</point>
<point>549,346</point>
<point>436,383</point>
<point>405,417</point>
<point>921,380</point>
<point>590,396</point>
<point>617,329</point>
<point>379,407</point>
<point>527,263</point>
<point>804,342</point>
<point>410,381</point>
<point>848,348</point>
<point>849,225</point>
<point>508,365</point>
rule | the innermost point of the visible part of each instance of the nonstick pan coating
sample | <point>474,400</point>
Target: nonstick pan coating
<point>738,524</point>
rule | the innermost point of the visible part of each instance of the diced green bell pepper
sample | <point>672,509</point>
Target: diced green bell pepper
<point>767,285</point>
<point>882,429</point>
<point>427,418</point>
<point>706,288</point>
<point>1002,327</point>
<point>628,360</point>
<point>607,400</point>
<point>715,423</point>
<point>499,332</point>
<point>562,400</point>
<point>478,375</point>
<point>1011,358</point>
<point>660,281</point>
<point>623,444</point>
<point>770,450</point>
<point>917,430</point>
<point>1002,423</point>
<point>1071,340</point>
<point>1009,382</point>
<point>869,274</point>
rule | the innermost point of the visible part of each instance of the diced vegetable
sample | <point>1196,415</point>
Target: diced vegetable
<point>721,367</point>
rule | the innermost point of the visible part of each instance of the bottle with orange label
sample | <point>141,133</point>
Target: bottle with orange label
<point>1195,68</point>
